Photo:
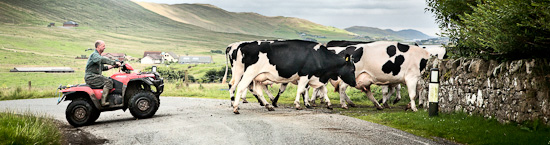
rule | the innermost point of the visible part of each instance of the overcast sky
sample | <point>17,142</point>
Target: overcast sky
<point>385,14</point>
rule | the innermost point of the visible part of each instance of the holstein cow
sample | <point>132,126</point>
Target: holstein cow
<point>229,54</point>
<point>389,63</point>
<point>280,61</point>
<point>341,48</point>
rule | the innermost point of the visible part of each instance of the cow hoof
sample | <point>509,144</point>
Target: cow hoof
<point>380,101</point>
<point>314,105</point>
<point>275,105</point>
<point>269,108</point>
<point>345,107</point>
<point>329,107</point>
<point>386,105</point>
<point>262,104</point>
<point>396,100</point>
<point>309,107</point>
<point>245,101</point>
<point>298,108</point>
<point>352,105</point>
<point>380,108</point>
<point>236,111</point>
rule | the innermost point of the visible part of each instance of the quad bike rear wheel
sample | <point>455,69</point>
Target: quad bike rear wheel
<point>79,113</point>
<point>143,104</point>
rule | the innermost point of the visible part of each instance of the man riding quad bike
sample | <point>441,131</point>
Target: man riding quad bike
<point>122,90</point>
<point>133,91</point>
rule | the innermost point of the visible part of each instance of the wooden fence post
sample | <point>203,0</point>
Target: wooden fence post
<point>186,79</point>
<point>30,86</point>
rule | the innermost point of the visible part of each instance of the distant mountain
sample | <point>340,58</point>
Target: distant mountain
<point>216,19</point>
<point>387,33</point>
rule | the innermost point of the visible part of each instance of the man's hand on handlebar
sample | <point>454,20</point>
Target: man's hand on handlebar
<point>117,64</point>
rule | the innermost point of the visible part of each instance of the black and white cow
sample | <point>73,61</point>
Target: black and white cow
<point>285,61</point>
<point>389,63</point>
<point>341,49</point>
<point>229,54</point>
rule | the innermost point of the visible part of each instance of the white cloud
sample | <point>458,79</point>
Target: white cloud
<point>385,14</point>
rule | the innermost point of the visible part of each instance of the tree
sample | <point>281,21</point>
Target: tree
<point>495,29</point>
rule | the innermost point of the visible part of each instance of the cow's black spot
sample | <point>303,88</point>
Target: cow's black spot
<point>402,48</point>
<point>290,57</point>
<point>393,67</point>
<point>357,55</point>
<point>423,64</point>
<point>250,54</point>
<point>233,56</point>
<point>399,60</point>
<point>391,50</point>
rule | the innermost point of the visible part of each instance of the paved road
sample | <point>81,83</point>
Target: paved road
<point>210,121</point>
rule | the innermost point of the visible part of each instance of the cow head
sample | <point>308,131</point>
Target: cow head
<point>347,72</point>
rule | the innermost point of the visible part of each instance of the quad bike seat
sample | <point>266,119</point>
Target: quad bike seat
<point>86,85</point>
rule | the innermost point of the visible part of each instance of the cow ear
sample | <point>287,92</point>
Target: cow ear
<point>348,59</point>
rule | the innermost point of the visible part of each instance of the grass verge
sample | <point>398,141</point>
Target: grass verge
<point>460,127</point>
<point>19,93</point>
<point>27,129</point>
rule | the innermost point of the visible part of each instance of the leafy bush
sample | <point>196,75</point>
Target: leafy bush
<point>495,29</point>
<point>171,74</point>
<point>216,51</point>
<point>215,75</point>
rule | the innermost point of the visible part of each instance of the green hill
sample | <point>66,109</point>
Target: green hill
<point>213,18</point>
<point>387,33</point>
<point>25,39</point>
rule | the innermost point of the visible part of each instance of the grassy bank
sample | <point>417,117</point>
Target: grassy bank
<point>460,127</point>
<point>27,129</point>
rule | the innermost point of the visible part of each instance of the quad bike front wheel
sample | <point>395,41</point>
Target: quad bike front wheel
<point>80,113</point>
<point>143,105</point>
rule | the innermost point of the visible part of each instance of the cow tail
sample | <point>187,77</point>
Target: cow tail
<point>226,68</point>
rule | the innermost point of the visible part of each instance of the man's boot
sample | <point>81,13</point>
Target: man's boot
<point>104,97</point>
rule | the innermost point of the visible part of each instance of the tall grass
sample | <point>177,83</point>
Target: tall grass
<point>20,93</point>
<point>462,128</point>
<point>27,129</point>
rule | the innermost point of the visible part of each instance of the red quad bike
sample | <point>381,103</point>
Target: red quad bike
<point>131,91</point>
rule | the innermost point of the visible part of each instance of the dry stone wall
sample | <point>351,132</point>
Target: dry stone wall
<point>508,91</point>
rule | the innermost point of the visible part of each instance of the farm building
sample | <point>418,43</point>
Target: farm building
<point>146,53</point>
<point>195,59</point>
<point>114,56</point>
<point>43,69</point>
<point>152,59</point>
<point>70,24</point>
<point>170,57</point>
